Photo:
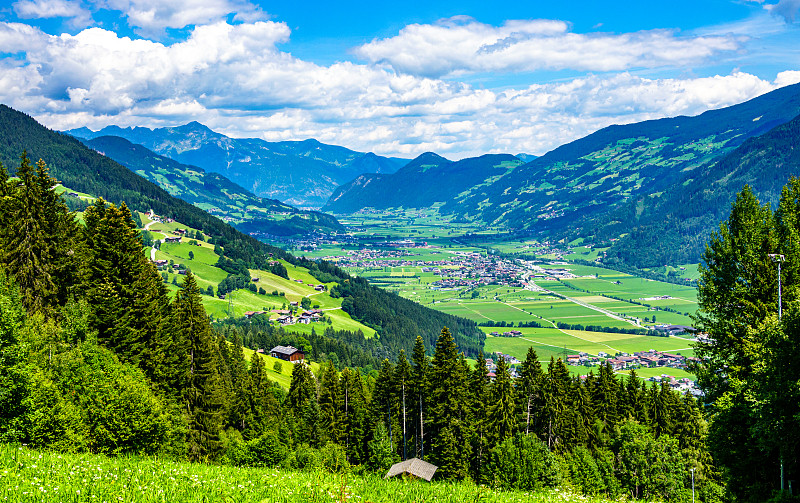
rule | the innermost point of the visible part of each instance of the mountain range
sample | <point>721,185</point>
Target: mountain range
<point>300,173</point>
<point>422,182</point>
<point>213,192</point>
<point>667,182</point>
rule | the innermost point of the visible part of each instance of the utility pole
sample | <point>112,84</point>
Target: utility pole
<point>778,259</point>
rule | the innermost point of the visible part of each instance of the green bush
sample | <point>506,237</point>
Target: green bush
<point>524,463</point>
<point>334,458</point>
<point>305,458</point>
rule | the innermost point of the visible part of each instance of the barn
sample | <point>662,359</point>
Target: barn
<point>288,353</point>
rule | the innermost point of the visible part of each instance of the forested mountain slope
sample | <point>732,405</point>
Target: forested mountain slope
<point>673,227</point>
<point>300,173</point>
<point>582,180</point>
<point>425,180</point>
<point>213,192</point>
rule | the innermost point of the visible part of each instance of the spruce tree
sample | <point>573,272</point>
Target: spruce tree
<point>38,239</point>
<point>501,418</point>
<point>419,386</point>
<point>204,386</point>
<point>479,401</point>
<point>330,402</point>
<point>530,394</point>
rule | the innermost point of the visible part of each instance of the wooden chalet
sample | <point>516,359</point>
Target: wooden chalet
<point>287,353</point>
<point>413,467</point>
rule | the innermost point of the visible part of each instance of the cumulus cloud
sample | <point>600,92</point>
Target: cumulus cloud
<point>234,79</point>
<point>458,45</point>
<point>152,17</point>
<point>38,9</point>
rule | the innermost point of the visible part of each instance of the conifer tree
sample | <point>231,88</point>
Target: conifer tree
<point>530,393</point>
<point>355,416</point>
<point>264,407</point>
<point>402,379</point>
<point>479,400</point>
<point>204,403</point>
<point>330,404</point>
<point>419,385</point>
<point>449,408</point>
<point>240,412</point>
<point>302,403</point>
<point>37,240</point>
<point>501,417</point>
<point>383,403</point>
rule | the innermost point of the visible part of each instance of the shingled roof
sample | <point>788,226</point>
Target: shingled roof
<point>415,467</point>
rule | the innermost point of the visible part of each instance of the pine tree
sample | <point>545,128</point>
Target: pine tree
<point>37,240</point>
<point>530,394</point>
<point>479,400</point>
<point>501,414</point>
<point>204,402</point>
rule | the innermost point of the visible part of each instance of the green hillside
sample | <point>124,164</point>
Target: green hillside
<point>672,227</point>
<point>422,182</point>
<point>213,192</point>
<point>578,182</point>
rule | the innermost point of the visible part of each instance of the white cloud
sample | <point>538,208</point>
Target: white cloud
<point>235,80</point>
<point>457,45</point>
<point>787,9</point>
<point>37,9</point>
<point>152,17</point>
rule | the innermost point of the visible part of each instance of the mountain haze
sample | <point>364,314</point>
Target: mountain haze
<point>212,191</point>
<point>300,173</point>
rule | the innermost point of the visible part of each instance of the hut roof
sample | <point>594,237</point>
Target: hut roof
<point>414,466</point>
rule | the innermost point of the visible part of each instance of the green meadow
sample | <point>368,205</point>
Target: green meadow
<point>28,475</point>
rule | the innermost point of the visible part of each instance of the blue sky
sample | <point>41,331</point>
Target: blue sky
<point>397,78</point>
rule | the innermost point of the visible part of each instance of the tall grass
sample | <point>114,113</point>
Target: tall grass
<point>28,475</point>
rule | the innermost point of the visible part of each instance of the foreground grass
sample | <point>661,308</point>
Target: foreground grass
<point>29,475</point>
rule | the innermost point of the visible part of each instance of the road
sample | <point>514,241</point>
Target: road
<point>153,249</point>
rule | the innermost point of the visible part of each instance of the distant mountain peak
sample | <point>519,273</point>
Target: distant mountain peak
<point>194,126</point>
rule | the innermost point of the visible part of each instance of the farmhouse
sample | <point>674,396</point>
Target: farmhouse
<point>172,239</point>
<point>287,353</point>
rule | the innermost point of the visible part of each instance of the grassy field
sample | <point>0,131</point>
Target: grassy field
<point>37,476</point>
<point>554,342</point>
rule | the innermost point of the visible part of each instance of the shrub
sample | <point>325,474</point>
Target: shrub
<point>524,463</point>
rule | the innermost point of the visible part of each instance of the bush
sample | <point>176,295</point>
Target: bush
<point>305,458</point>
<point>584,474</point>
<point>524,463</point>
<point>267,450</point>
<point>334,458</point>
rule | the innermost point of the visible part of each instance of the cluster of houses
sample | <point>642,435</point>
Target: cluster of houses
<point>163,264</point>
<point>509,333</point>
<point>623,361</point>
<point>286,317</point>
<point>510,361</point>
